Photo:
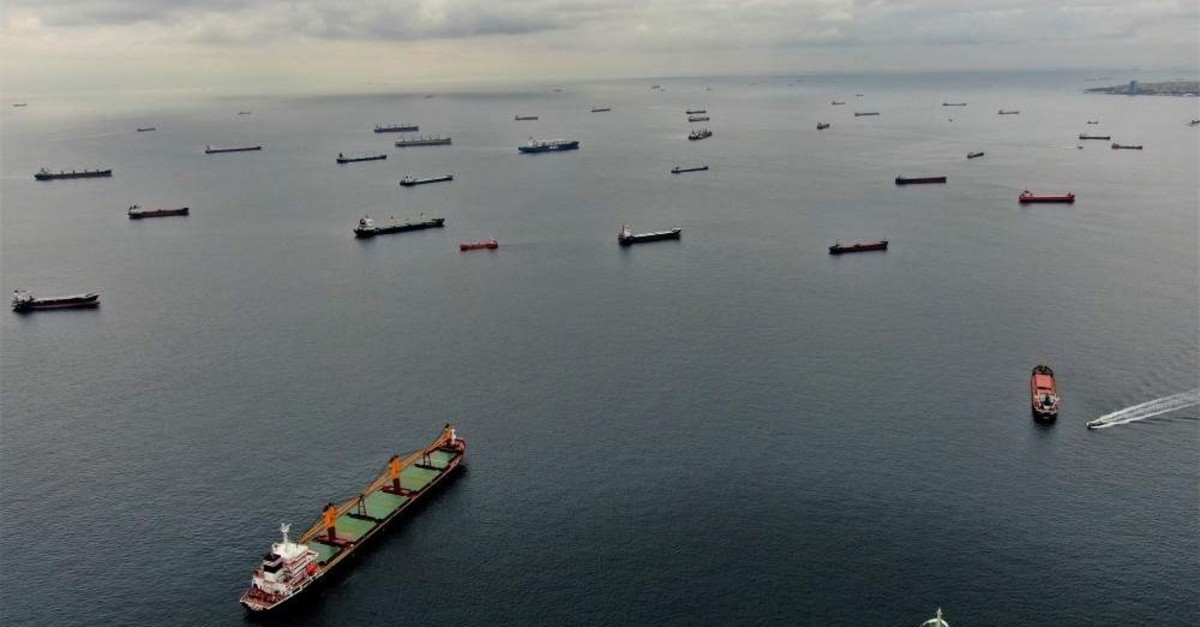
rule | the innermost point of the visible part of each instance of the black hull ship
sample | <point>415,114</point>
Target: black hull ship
<point>46,175</point>
<point>679,169</point>
<point>209,150</point>
<point>23,302</point>
<point>367,228</point>
<point>858,247</point>
<point>397,128</point>
<point>626,237</point>
<point>974,155</point>
<point>343,159</point>
<point>409,181</point>
<point>919,180</point>
<point>137,212</point>
<point>433,140</point>
<point>552,145</point>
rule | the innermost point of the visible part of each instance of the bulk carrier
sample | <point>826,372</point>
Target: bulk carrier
<point>291,567</point>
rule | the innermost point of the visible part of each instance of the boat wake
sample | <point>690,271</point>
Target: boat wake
<point>1149,409</point>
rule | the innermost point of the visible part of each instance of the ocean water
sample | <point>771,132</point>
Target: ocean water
<point>731,429</point>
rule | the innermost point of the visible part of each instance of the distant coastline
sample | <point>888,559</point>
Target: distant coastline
<point>1168,88</point>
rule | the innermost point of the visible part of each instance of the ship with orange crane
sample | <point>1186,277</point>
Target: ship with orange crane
<point>291,567</point>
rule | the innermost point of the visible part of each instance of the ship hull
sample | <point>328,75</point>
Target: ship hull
<point>258,607</point>
<point>551,148</point>
<point>84,301</point>
<point>399,228</point>
<point>642,238</point>
<point>1025,200</point>
<point>684,170</point>
<point>358,159</point>
<point>900,180</point>
<point>415,182</point>
<point>217,151</point>
<point>158,213</point>
<point>857,248</point>
<point>86,174</point>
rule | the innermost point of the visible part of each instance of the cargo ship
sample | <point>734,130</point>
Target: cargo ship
<point>1008,112</point>
<point>23,301</point>
<point>698,118</point>
<point>837,103</point>
<point>552,145</point>
<point>367,227</point>
<point>1043,392</point>
<point>209,150</point>
<point>839,248</point>
<point>680,169</point>
<point>431,140</point>
<point>46,175</point>
<point>342,159</point>
<point>601,109</point>
<point>696,111</point>
<point>1117,146</point>
<point>954,104</point>
<point>699,134</point>
<point>145,129</point>
<point>1093,121</point>
<point>487,244</point>
<point>1103,137</point>
<point>137,212</point>
<point>291,567</point>
<point>396,128</point>
<point>409,181</point>
<point>524,118</point>
<point>626,237</point>
<point>822,126</point>
<point>974,155</point>
<point>859,114</point>
<point>1027,196</point>
<point>919,180</point>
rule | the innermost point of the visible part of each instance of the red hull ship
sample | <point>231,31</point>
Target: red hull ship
<point>489,244</point>
<point>858,247</point>
<point>1043,392</point>
<point>1028,197</point>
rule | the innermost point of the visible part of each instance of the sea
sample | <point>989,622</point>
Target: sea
<point>736,428</point>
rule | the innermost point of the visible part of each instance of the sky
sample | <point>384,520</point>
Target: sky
<point>49,46</point>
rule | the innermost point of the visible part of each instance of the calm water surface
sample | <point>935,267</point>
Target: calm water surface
<point>732,429</point>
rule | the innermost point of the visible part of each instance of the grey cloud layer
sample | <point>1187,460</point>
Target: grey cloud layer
<point>648,24</point>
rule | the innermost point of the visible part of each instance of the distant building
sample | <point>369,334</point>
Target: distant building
<point>1133,88</point>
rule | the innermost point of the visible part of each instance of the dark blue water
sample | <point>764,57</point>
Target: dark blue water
<point>735,428</point>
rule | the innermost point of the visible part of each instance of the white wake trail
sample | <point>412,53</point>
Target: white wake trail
<point>1149,409</point>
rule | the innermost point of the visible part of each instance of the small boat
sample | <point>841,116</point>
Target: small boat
<point>552,145</point>
<point>919,180</point>
<point>137,212</point>
<point>489,244</point>
<point>859,114</point>
<point>1194,123</point>
<point>396,128</point>
<point>1117,146</point>
<point>23,301</point>
<point>839,248</point>
<point>679,169</point>
<point>837,102</point>
<point>145,129</point>
<point>409,181</point>
<point>696,111</point>
<point>1095,424</point>
<point>656,87</point>
<point>344,159</point>
<point>699,134</point>
<point>974,155</point>
<point>936,621</point>
<point>1086,136</point>
<point>46,175</point>
<point>524,118</point>
<point>367,227</point>
<point>1093,121</point>
<point>822,126</point>
<point>954,104</point>
<point>1029,197</point>
<point>626,237</point>
<point>1008,112</point>
<point>1043,392</point>
<point>431,140</point>
<point>209,150</point>
<point>601,109</point>
<point>698,118</point>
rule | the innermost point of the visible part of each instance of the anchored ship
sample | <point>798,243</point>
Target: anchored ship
<point>1008,112</point>
<point>954,104</point>
<point>1086,136</point>
<point>143,129</point>
<point>46,175</point>
<point>424,140</point>
<point>626,237</point>
<point>822,126</point>
<point>367,227</point>
<point>209,150</point>
<point>137,212</point>
<point>488,244</point>
<point>1117,146</point>
<point>341,159</point>
<point>698,118</point>
<point>23,301</point>
<point>552,145</point>
<point>699,134</point>
<point>601,109</point>
<point>396,128</point>
<point>1043,392</point>
<point>680,169</point>
<point>409,181</point>
<point>291,567</point>
<point>524,118</point>
<point>919,180</point>
<point>837,102</point>
<point>839,248</point>
<point>696,111</point>
<point>859,114</point>
<point>1027,196</point>
<point>974,155</point>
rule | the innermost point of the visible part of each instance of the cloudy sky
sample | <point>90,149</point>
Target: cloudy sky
<point>64,45</point>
